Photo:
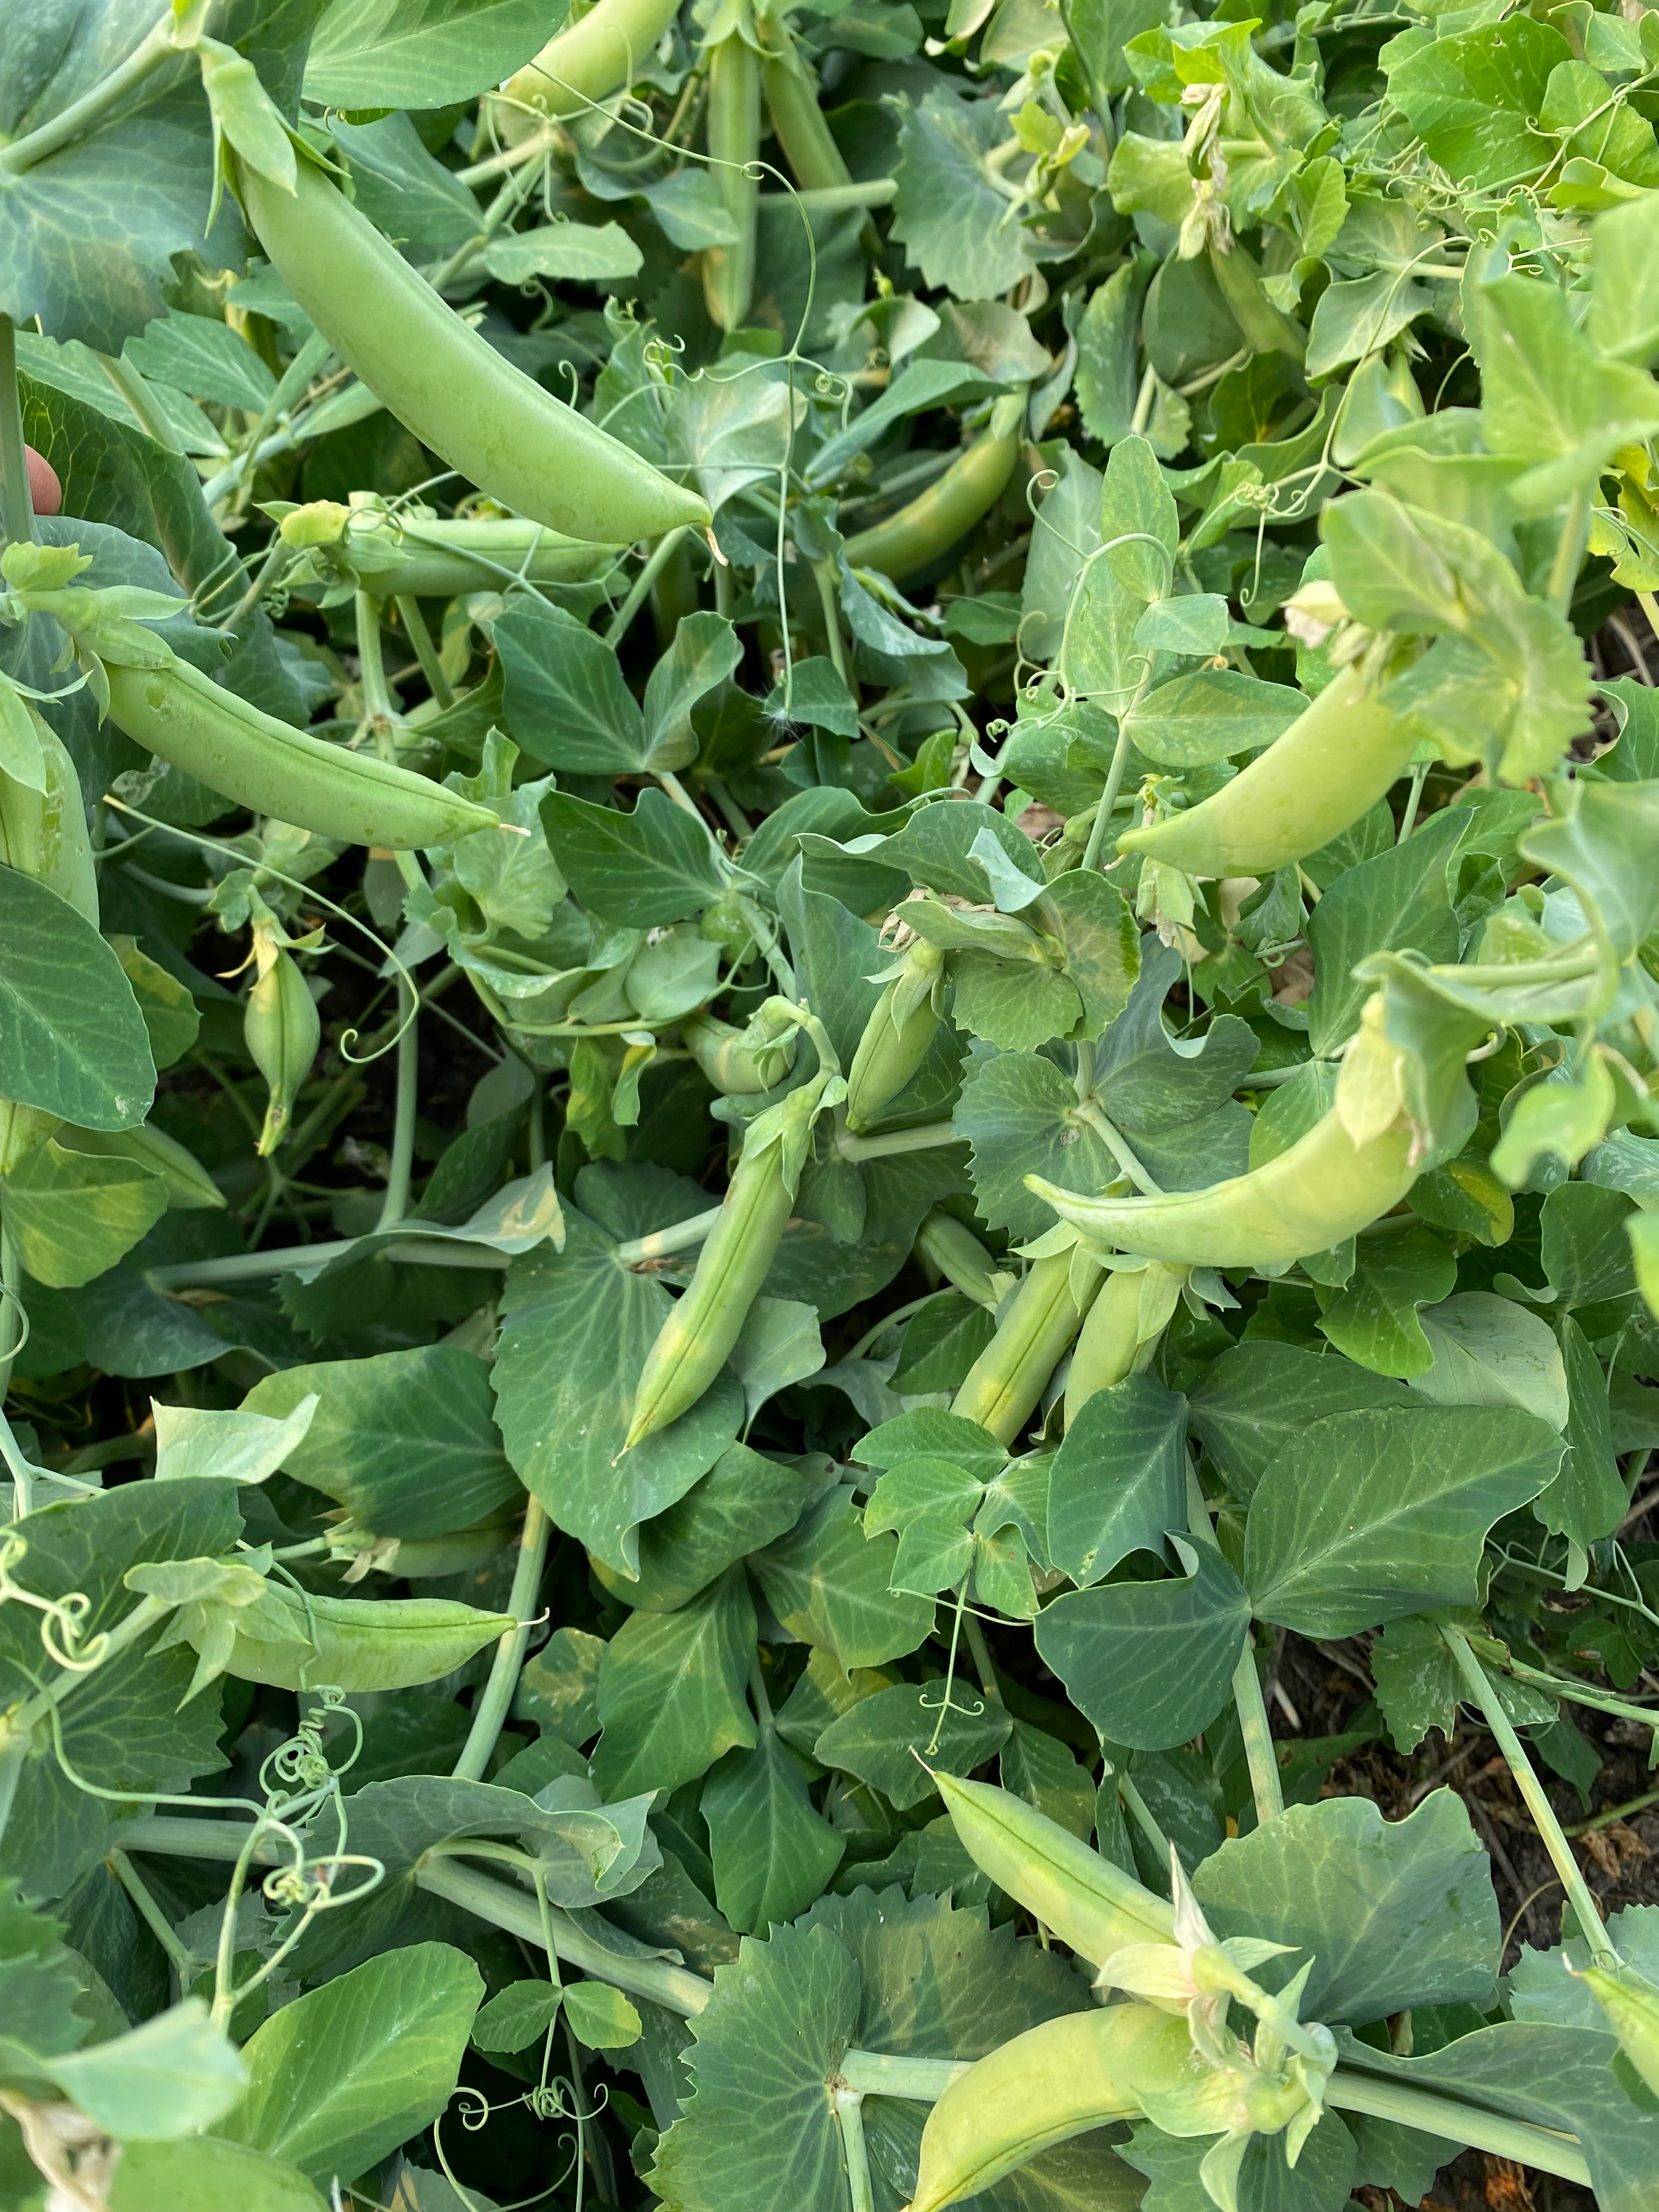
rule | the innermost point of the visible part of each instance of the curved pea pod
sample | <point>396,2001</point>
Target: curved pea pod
<point>585,62</point>
<point>433,558</point>
<point>1087,1901</point>
<point>791,101</point>
<point>295,1643</point>
<point>1001,1388</point>
<point>926,530</point>
<point>1120,1330</point>
<point>952,1247</point>
<point>733,134</point>
<point>448,384</point>
<point>1054,2082</point>
<point>281,1030</point>
<point>43,833</point>
<point>735,1069</point>
<point>902,1027</point>
<point>190,1188</point>
<point>1341,755</point>
<point>1631,2003</point>
<point>693,1344</point>
<point>251,757</point>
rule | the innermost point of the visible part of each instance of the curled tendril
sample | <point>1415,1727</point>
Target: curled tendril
<point>308,1886</point>
<point>63,1620</point>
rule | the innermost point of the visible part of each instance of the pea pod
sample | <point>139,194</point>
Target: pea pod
<point>693,1343</point>
<point>295,1643</point>
<point>1087,1901</point>
<point>791,101</point>
<point>281,1030</point>
<point>1002,1387</point>
<point>260,762</point>
<point>43,833</point>
<point>733,134</point>
<point>585,62</point>
<point>1341,755</point>
<point>1054,2082</point>
<point>1120,1330</point>
<point>448,384</point>
<point>735,1069</point>
<point>898,1036</point>
<point>1630,2004</point>
<point>432,557</point>
<point>925,531</point>
<point>964,1262</point>
<point>1326,1186</point>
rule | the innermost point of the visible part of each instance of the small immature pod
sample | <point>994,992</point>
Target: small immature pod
<point>952,1247</point>
<point>898,1036</point>
<point>1054,2082</point>
<point>1120,1330</point>
<point>43,833</point>
<point>1087,1901</point>
<point>281,1030</point>
<point>735,1069</point>
<point>1002,1387</point>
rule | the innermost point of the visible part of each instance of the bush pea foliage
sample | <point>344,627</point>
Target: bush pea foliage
<point>828,968</point>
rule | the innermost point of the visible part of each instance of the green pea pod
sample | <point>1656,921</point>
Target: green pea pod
<point>952,1247</point>
<point>190,1188</point>
<point>1631,2003</point>
<point>898,1036</point>
<point>733,134</point>
<point>432,558</point>
<point>43,833</point>
<point>1338,758</point>
<point>1054,2082</point>
<point>1002,1387</point>
<point>468,403</point>
<point>925,531</point>
<point>1120,1330</point>
<point>586,62</point>
<point>420,1559</point>
<point>1087,1901</point>
<point>735,1069</point>
<point>260,762</point>
<point>693,1342</point>
<point>791,101</point>
<point>281,1030</point>
<point>295,1643</point>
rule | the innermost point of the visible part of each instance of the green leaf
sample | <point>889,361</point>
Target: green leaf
<point>949,214</point>
<point>1020,1116</point>
<point>771,1852</point>
<point>569,252</point>
<point>656,865</point>
<point>519,2016</point>
<point>1584,1242</point>
<point>422,54</point>
<point>1420,1685</point>
<point>406,1440</point>
<point>72,1040</point>
<point>601,2017</point>
<point>347,2072</point>
<point>576,1327</point>
<point>744,1502</point>
<point>1548,397</point>
<point>1134,1434</point>
<point>173,2075</point>
<point>1370,1515</point>
<point>1256,1397</point>
<point>194,1440</point>
<point>202,2174</point>
<point>764,2048</point>
<point>829,1584</point>
<point>1401,901</point>
<point>1374,1317</point>
<point>1150,1663</point>
<point>1039,1768</point>
<point>72,1215</point>
<point>1214,714</point>
<point>1588,1499</point>
<point>1393,1914</point>
<point>1472,99</point>
<point>885,1740</point>
<point>705,652</point>
<point>1489,1350</point>
<point>566,702</point>
<point>207,359</point>
<point>671,1690</point>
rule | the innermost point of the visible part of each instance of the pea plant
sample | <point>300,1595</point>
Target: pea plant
<point>828,1105</point>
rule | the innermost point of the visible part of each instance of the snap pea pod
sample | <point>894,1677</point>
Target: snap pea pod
<point>485,418</point>
<point>1087,1901</point>
<point>733,134</point>
<point>586,62</point>
<point>1341,755</point>
<point>693,1343</point>
<point>281,1030</point>
<point>260,762</point>
<point>1328,1185</point>
<point>897,1037</point>
<point>953,1248</point>
<point>791,101</point>
<point>1120,1330</point>
<point>433,558</point>
<point>735,1069</point>
<point>926,530</point>
<point>1054,2082</point>
<point>293,1643</point>
<point>43,833</point>
<point>1002,1387</point>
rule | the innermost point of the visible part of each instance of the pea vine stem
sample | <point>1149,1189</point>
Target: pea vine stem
<point>17,510</point>
<point>1260,1756</point>
<point>496,1696</point>
<point>1550,1831</point>
<point>82,115</point>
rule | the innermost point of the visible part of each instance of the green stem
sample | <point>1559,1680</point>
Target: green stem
<point>1102,821</point>
<point>16,508</point>
<point>497,1697</point>
<point>678,1236</point>
<point>286,1259</point>
<point>1141,1813</point>
<point>1414,797</point>
<point>926,1138</point>
<point>1091,1111</point>
<point>849,2111</point>
<point>13,1322</point>
<point>982,1651</point>
<point>179,1956</point>
<point>1569,551</point>
<point>1577,1693</point>
<point>395,1204</point>
<point>415,627</point>
<point>662,552</point>
<point>1606,1819</point>
<point>1538,1804</point>
<point>78,117</point>
<point>1259,1754</point>
<point>824,576</point>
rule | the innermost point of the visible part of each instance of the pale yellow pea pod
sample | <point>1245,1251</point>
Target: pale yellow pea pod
<point>1042,2088</point>
<point>1087,1901</point>
<point>295,1642</point>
